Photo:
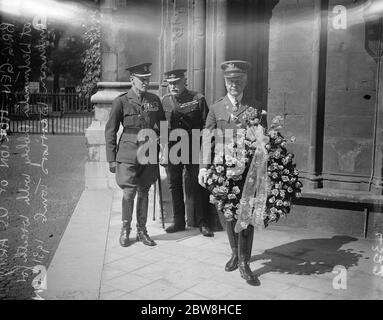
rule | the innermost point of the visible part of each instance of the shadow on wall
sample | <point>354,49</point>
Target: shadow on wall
<point>308,256</point>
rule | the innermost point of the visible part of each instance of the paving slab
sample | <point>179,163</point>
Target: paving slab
<point>76,269</point>
<point>290,263</point>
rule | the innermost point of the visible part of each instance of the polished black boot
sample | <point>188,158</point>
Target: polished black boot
<point>145,239</point>
<point>245,244</point>
<point>206,231</point>
<point>127,212</point>
<point>142,215</point>
<point>175,228</point>
<point>232,264</point>
<point>124,236</point>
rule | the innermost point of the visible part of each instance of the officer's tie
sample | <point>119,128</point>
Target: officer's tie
<point>236,105</point>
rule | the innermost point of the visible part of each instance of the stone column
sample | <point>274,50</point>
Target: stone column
<point>216,24</point>
<point>97,175</point>
<point>295,63</point>
<point>108,48</point>
<point>196,51</point>
<point>377,181</point>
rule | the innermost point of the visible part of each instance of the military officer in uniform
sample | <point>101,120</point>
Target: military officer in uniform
<point>221,116</point>
<point>186,110</point>
<point>136,109</point>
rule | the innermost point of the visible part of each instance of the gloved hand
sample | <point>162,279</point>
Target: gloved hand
<point>112,167</point>
<point>162,155</point>
<point>202,177</point>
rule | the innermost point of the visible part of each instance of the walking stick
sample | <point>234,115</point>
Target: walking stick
<point>160,197</point>
<point>154,201</point>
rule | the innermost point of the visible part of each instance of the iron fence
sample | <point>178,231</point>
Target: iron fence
<point>51,113</point>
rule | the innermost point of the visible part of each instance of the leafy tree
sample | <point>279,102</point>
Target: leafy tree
<point>66,60</point>
<point>92,55</point>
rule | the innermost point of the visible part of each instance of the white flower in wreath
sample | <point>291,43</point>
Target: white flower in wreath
<point>237,177</point>
<point>273,134</point>
<point>228,206</point>
<point>273,210</point>
<point>272,216</point>
<point>220,169</point>
<point>223,190</point>
<point>231,196</point>
<point>244,224</point>
<point>286,203</point>
<point>236,190</point>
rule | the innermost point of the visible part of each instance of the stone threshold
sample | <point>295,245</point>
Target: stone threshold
<point>327,194</point>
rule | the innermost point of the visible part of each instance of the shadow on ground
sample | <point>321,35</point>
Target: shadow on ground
<point>308,256</point>
<point>189,232</point>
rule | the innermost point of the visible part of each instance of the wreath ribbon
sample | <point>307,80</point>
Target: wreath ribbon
<point>254,193</point>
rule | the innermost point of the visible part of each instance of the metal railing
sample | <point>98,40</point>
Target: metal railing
<point>52,113</point>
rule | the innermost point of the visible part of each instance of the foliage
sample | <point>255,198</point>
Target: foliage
<point>66,58</point>
<point>91,58</point>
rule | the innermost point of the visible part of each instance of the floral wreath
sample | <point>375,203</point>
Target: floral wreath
<point>255,180</point>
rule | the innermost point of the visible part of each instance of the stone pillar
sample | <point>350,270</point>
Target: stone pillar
<point>196,51</point>
<point>294,79</point>
<point>216,24</point>
<point>97,175</point>
<point>316,114</point>
<point>377,181</point>
<point>108,48</point>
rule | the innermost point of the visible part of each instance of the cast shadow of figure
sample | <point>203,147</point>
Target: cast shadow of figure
<point>187,233</point>
<point>308,256</point>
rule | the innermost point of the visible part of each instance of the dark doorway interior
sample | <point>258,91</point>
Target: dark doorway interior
<point>248,24</point>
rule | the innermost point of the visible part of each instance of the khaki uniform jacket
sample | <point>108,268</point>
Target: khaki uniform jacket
<point>220,117</point>
<point>134,115</point>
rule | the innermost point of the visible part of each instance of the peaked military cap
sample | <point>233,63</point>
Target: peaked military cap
<point>140,70</point>
<point>174,75</point>
<point>235,68</point>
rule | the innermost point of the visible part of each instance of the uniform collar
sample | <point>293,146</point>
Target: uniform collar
<point>132,95</point>
<point>183,94</point>
<point>232,99</point>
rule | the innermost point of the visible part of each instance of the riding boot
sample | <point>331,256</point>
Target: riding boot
<point>142,215</point>
<point>124,235</point>
<point>232,264</point>
<point>245,244</point>
<point>127,212</point>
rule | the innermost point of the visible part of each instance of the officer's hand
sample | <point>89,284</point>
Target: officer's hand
<point>202,177</point>
<point>163,155</point>
<point>255,132</point>
<point>112,167</point>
